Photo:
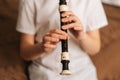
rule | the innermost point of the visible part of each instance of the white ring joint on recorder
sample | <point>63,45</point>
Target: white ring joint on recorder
<point>65,56</point>
<point>63,8</point>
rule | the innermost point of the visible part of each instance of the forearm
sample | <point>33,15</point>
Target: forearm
<point>31,52</point>
<point>89,44</point>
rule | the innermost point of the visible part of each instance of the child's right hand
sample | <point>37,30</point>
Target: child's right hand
<point>51,38</point>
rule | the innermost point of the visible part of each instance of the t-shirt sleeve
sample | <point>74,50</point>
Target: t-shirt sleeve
<point>96,17</point>
<point>25,23</point>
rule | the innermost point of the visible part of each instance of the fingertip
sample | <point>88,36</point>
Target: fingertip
<point>63,27</point>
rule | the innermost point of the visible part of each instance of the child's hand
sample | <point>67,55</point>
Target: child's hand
<point>74,25</point>
<point>51,39</point>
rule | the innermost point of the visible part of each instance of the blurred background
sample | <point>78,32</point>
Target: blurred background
<point>107,61</point>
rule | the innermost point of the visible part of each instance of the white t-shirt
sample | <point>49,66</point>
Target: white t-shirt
<point>36,17</point>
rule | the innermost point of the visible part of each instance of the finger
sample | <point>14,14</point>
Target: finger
<point>60,32</point>
<point>58,36</point>
<point>50,39</point>
<point>72,25</point>
<point>71,19</point>
<point>67,13</point>
<point>47,50</point>
<point>74,19</point>
<point>49,45</point>
<point>78,28</point>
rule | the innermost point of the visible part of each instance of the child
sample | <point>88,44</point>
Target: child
<point>39,24</point>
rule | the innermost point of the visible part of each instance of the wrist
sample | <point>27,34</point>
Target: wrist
<point>41,49</point>
<point>82,36</point>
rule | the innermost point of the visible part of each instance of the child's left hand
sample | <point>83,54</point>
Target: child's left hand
<point>75,26</point>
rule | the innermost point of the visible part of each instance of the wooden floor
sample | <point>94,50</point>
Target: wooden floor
<point>12,66</point>
<point>107,61</point>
